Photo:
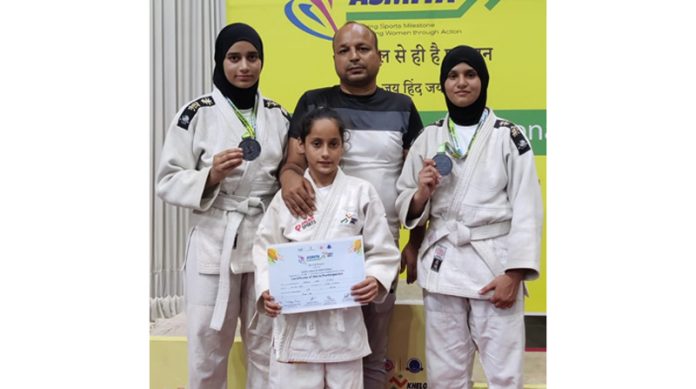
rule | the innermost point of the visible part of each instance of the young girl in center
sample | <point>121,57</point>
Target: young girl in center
<point>324,349</point>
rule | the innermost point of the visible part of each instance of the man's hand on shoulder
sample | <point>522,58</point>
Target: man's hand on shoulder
<point>297,193</point>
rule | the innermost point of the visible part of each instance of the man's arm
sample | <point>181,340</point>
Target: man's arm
<point>409,256</point>
<point>415,126</point>
<point>296,191</point>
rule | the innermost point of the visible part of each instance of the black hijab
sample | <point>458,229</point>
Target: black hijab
<point>470,115</point>
<point>233,33</point>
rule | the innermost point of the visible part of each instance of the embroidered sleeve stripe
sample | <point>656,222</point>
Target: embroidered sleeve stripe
<point>187,116</point>
<point>519,140</point>
<point>503,123</point>
<point>272,104</point>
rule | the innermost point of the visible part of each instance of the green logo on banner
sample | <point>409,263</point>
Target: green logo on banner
<point>400,13</point>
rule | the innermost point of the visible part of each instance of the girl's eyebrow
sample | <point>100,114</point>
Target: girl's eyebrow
<point>245,52</point>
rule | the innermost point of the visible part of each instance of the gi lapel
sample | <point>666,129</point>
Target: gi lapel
<point>450,226</point>
<point>321,232</point>
<point>324,216</point>
<point>473,158</point>
<point>237,206</point>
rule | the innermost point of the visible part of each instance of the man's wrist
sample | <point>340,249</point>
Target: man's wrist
<point>288,167</point>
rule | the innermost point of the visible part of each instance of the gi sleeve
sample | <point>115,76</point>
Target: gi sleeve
<point>524,194</point>
<point>180,181</point>
<point>382,257</point>
<point>407,185</point>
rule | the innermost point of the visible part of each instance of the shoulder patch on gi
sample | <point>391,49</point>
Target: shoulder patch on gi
<point>190,111</point>
<point>268,103</point>
<point>437,123</point>
<point>516,135</point>
<point>519,140</point>
<point>503,123</point>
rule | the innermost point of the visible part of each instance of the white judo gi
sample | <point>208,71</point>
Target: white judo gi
<point>381,127</point>
<point>337,338</point>
<point>224,221</point>
<point>485,218</point>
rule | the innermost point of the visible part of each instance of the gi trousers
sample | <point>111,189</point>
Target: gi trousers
<point>338,375</point>
<point>457,327</point>
<point>208,349</point>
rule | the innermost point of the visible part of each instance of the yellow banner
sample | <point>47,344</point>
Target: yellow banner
<point>413,37</point>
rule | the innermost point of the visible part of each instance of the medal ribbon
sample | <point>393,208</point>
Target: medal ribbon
<point>250,128</point>
<point>452,147</point>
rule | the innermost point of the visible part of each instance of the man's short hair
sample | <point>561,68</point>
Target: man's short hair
<point>374,35</point>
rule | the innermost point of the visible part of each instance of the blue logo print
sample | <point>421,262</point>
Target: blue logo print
<point>312,17</point>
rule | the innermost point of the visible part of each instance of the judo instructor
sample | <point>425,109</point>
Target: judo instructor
<point>219,159</point>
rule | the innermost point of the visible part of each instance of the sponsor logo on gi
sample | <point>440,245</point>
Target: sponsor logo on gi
<point>349,218</point>
<point>437,259</point>
<point>306,223</point>
<point>437,262</point>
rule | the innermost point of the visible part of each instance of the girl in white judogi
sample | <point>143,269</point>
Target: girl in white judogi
<point>324,349</point>
<point>220,159</point>
<point>472,176</point>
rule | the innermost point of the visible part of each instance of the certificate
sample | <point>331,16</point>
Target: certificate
<point>317,275</point>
